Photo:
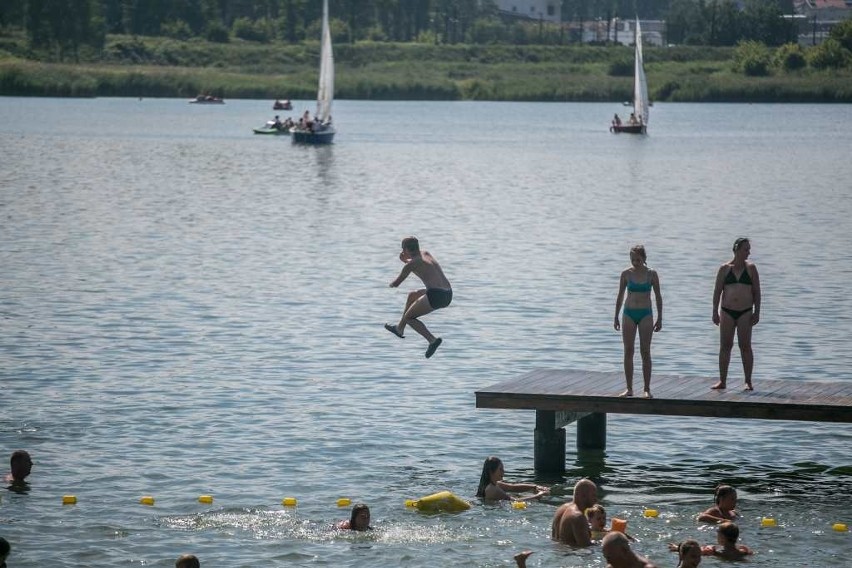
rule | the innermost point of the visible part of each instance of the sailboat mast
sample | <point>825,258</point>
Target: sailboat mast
<point>325,88</point>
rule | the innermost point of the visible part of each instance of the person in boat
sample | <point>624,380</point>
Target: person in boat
<point>276,124</point>
<point>570,525</point>
<point>737,291</point>
<point>493,488</point>
<point>639,281</point>
<point>725,508</point>
<point>616,120</point>
<point>288,123</point>
<point>437,294</point>
<point>359,519</point>
<point>632,120</point>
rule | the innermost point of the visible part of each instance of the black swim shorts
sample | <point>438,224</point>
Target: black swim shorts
<point>439,298</point>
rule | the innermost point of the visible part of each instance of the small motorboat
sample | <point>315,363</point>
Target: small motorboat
<point>282,105</point>
<point>274,129</point>
<point>206,100</point>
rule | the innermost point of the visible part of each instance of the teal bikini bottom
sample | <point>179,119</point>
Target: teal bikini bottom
<point>637,314</point>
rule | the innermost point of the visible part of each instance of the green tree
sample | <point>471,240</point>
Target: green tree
<point>64,26</point>
<point>752,58</point>
<point>790,57</point>
<point>842,32</point>
<point>830,54</point>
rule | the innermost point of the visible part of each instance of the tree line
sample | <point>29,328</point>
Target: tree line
<point>66,26</point>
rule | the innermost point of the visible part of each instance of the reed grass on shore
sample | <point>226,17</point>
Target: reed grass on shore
<point>157,67</point>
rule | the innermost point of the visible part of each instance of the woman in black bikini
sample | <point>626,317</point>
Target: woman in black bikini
<point>738,291</point>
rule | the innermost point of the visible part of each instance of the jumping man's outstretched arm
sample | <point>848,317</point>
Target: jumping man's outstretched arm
<point>406,270</point>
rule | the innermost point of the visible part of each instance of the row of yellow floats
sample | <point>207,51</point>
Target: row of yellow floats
<point>441,502</point>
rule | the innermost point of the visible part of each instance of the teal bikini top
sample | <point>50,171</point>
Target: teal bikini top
<point>638,287</point>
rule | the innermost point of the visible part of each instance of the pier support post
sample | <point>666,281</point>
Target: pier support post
<point>591,432</point>
<point>549,450</point>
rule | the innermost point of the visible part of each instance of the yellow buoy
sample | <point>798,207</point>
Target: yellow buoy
<point>840,527</point>
<point>289,501</point>
<point>653,513</point>
<point>147,500</point>
<point>768,522</point>
<point>519,505</point>
<point>205,499</point>
<point>441,502</point>
<point>344,502</point>
<point>69,500</point>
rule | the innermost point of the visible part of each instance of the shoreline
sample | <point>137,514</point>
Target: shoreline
<point>159,67</point>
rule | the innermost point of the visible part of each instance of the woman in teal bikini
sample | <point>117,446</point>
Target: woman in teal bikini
<point>638,280</point>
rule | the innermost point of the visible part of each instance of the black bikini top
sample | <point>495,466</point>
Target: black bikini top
<point>743,279</point>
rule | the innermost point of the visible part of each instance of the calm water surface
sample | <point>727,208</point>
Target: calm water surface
<point>188,309</point>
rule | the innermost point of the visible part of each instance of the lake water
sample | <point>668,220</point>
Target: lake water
<point>187,309</point>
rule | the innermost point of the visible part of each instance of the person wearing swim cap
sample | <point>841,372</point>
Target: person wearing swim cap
<point>737,291</point>
<point>437,294</point>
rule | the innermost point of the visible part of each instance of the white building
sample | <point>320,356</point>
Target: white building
<point>622,31</point>
<point>547,10</point>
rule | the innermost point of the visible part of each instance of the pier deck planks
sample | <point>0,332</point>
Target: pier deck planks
<point>592,391</point>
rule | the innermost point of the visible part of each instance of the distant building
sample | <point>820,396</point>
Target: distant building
<point>622,31</point>
<point>824,9</point>
<point>815,18</point>
<point>547,10</point>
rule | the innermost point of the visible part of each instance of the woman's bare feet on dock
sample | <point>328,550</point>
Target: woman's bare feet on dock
<point>628,392</point>
<point>718,386</point>
<point>647,394</point>
<point>748,386</point>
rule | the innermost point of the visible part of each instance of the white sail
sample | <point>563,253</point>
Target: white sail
<point>325,91</point>
<point>640,84</point>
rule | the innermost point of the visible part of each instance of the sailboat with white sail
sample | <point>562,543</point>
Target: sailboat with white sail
<point>638,122</point>
<point>320,130</point>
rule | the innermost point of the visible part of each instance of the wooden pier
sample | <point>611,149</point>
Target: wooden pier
<point>561,396</point>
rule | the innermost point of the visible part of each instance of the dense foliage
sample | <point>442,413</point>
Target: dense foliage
<point>64,26</point>
<point>725,50</point>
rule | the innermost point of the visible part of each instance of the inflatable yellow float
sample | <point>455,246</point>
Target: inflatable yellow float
<point>441,502</point>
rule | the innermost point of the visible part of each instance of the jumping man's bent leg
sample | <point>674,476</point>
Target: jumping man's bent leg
<point>412,298</point>
<point>420,307</point>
